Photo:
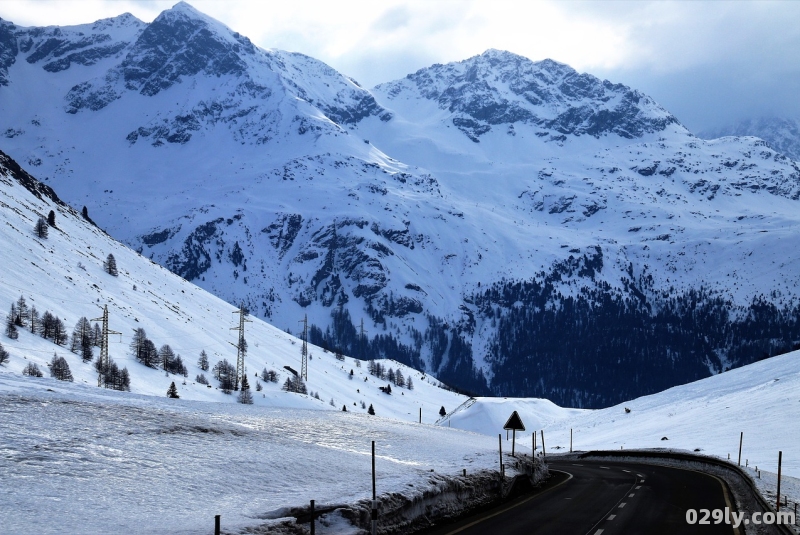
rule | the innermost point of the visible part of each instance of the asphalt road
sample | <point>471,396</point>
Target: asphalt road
<point>607,498</point>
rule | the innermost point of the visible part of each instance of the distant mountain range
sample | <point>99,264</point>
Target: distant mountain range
<point>781,133</point>
<point>516,227</point>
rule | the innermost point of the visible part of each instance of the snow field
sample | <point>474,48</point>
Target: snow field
<point>88,460</point>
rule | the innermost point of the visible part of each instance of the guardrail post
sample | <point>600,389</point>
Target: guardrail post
<point>741,437</point>
<point>544,453</point>
<point>374,495</point>
<point>500,443</point>
<point>778,493</point>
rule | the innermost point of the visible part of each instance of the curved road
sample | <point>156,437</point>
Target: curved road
<point>607,498</point>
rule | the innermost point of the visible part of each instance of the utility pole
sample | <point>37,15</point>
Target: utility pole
<point>104,361</point>
<point>304,350</point>
<point>240,346</point>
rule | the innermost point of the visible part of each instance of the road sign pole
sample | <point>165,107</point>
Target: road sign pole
<point>570,440</point>
<point>312,518</point>
<point>513,441</point>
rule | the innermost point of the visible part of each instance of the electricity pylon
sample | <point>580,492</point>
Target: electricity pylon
<point>304,350</point>
<point>104,361</point>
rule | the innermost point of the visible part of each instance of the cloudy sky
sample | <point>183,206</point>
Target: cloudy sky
<point>710,63</point>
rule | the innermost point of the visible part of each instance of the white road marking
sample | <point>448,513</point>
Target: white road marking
<point>598,532</point>
<point>611,517</point>
<point>622,505</point>
<point>605,468</point>
<point>626,470</point>
<point>640,475</point>
<point>630,495</point>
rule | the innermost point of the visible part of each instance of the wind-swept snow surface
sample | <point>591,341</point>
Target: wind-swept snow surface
<point>78,459</point>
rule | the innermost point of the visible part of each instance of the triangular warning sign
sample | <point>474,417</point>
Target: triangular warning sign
<point>514,422</point>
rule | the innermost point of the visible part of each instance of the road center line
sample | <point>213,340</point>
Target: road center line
<point>611,517</point>
<point>622,505</point>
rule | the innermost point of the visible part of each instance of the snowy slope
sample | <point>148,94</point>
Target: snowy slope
<point>417,207</point>
<point>63,274</point>
<point>759,399</point>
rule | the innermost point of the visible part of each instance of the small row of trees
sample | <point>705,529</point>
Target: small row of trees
<point>59,369</point>
<point>144,350</point>
<point>396,377</point>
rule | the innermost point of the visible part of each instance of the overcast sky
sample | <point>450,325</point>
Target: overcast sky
<point>710,63</point>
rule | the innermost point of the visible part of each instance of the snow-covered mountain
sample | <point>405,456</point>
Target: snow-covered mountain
<point>512,226</point>
<point>782,133</point>
<point>64,274</point>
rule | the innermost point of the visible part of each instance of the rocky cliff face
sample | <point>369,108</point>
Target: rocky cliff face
<point>489,219</point>
<point>500,88</point>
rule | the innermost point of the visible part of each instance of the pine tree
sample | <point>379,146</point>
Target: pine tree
<point>442,412</point>
<point>35,322</point>
<point>259,388</point>
<point>295,384</point>
<point>166,355</point>
<point>11,328</point>
<point>82,339</point>
<point>110,265</point>
<point>4,356</point>
<point>202,362</point>
<point>97,335</point>
<point>60,336</point>
<point>41,228</point>
<point>124,380</point>
<point>32,370</point>
<point>173,391</point>
<point>225,373</point>
<point>399,380</point>
<point>390,375</point>
<point>371,410</point>
<point>59,368</point>
<point>245,396</point>
<point>344,408</point>
<point>23,315</point>
<point>51,219</point>
<point>201,379</point>
<point>410,383</point>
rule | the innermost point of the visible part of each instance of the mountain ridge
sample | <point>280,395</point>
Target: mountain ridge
<point>292,189</point>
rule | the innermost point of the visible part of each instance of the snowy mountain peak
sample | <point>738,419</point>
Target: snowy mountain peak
<point>183,42</point>
<point>499,87</point>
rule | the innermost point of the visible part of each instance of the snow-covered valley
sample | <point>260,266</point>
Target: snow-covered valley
<point>450,211</point>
